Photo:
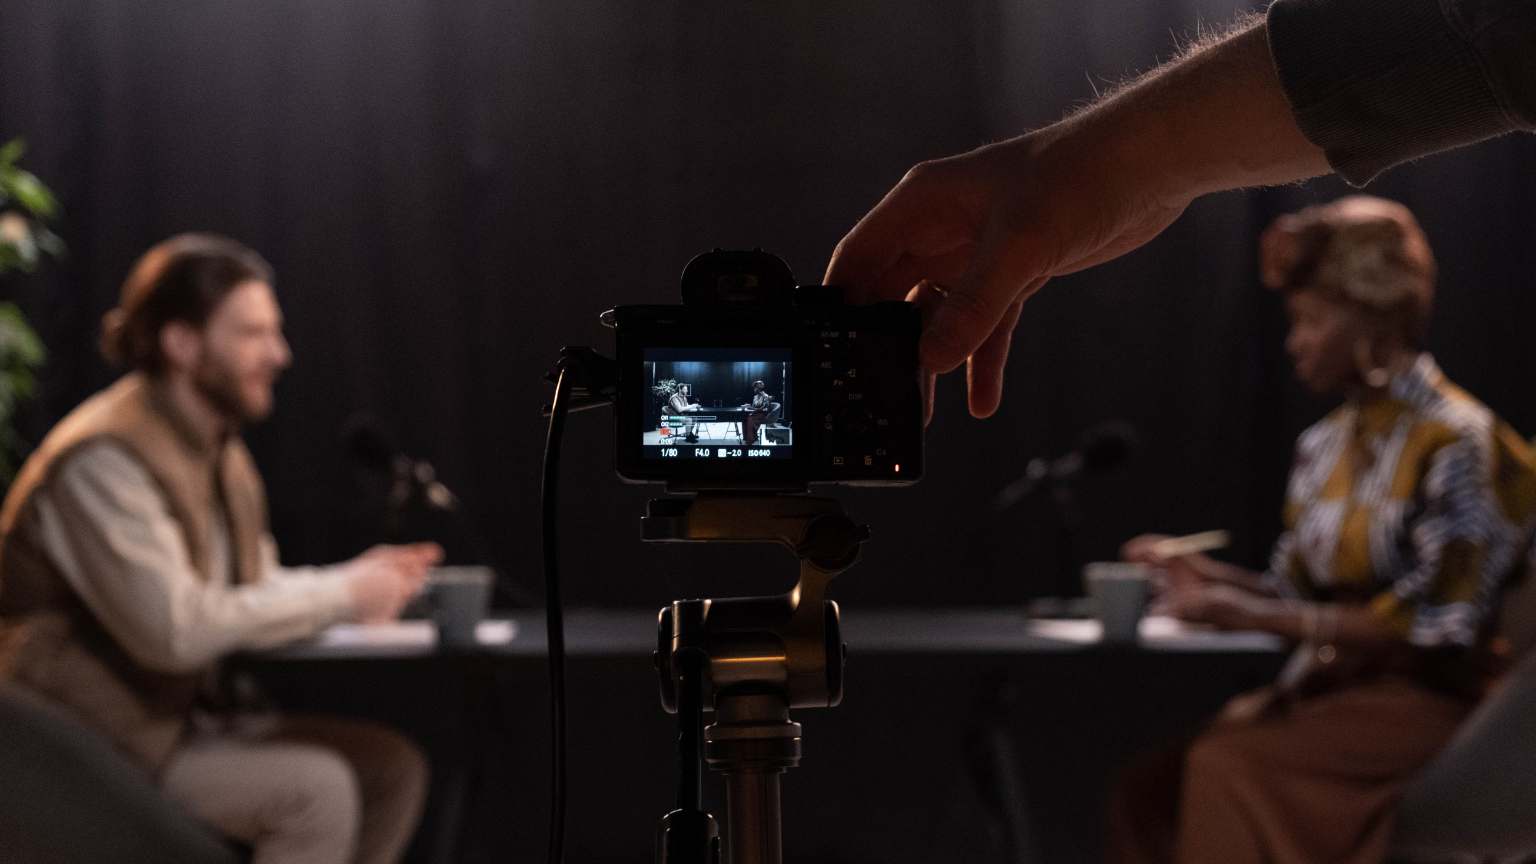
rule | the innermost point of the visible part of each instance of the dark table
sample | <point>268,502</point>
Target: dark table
<point>965,734</point>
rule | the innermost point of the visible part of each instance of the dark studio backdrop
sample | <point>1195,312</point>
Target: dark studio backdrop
<point>718,382</point>
<point>452,191</point>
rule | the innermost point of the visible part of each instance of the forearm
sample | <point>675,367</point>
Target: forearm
<point>1216,119</point>
<point>110,532</point>
<point>213,621</point>
<point>171,619</point>
<point>1237,577</point>
<point>288,603</point>
<point>1352,626</point>
<point>181,623</point>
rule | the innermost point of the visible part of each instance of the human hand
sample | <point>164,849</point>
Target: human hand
<point>1222,606</point>
<point>1140,549</point>
<point>1179,572</point>
<point>969,238</point>
<point>989,227</point>
<point>385,578</point>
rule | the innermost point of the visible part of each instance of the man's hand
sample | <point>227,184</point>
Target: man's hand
<point>385,578</point>
<point>971,237</point>
<point>984,230</point>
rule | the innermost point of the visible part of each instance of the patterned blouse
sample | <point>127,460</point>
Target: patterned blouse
<point>1418,505</point>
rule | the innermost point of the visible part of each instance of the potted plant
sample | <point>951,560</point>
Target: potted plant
<point>26,209</point>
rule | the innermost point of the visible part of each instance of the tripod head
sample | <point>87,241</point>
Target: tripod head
<point>789,642</point>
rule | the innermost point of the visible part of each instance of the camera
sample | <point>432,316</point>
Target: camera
<point>755,383</point>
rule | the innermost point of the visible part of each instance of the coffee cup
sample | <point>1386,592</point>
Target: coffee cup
<point>1119,590</point>
<point>458,598</point>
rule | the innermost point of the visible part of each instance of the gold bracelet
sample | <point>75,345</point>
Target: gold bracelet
<point>1319,627</point>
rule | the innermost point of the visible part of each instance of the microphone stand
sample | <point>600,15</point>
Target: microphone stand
<point>1059,479</point>
<point>402,490</point>
<point>413,480</point>
<point>1067,517</point>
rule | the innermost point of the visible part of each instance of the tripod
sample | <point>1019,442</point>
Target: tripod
<point>751,659</point>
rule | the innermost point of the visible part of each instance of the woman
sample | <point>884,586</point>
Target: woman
<point>760,411</point>
<point>1407,509</point>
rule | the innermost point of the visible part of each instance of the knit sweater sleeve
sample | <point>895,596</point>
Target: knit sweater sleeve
<point>1375,83</point>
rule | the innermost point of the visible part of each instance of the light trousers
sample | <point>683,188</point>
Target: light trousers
<point>313,790</point>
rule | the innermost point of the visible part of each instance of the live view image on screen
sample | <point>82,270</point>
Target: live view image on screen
<point>718,403</point>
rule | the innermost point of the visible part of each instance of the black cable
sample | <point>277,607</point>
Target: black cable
<point>554,617</point>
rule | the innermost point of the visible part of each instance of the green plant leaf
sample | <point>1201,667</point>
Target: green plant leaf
<point>11,151</point>
<point>10,258</point>
<point>19,253</point>
<point>31,194</point>
<point>49,242</point>
<point>20,346</point>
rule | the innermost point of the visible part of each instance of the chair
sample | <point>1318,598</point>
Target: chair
<point>1476,800</point>
<point>68,797</point>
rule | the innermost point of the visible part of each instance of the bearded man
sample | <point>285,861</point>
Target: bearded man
<point>134,554</point>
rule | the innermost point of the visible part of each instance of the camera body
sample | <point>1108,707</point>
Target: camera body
<point>756,384</point>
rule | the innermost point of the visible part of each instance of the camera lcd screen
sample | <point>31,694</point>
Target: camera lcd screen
<point>725,404</point>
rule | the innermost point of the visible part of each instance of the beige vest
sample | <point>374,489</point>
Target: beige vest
<point>49,641</point>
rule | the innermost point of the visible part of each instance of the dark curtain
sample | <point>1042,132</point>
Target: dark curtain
<point>452,191</point>
<point>724,385</point>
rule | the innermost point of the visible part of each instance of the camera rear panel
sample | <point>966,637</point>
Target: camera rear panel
<point>839,399</point>
<point>868,386</point>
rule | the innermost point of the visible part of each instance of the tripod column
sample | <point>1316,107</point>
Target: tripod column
<point>752,742</point>
<point>754,821</point>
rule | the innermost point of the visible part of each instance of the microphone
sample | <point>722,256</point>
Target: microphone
<point>373,448</point>
<point>1100,448</point>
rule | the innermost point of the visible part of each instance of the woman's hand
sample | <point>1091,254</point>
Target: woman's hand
<point>1222,606</point>
<point>1184,571</point>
